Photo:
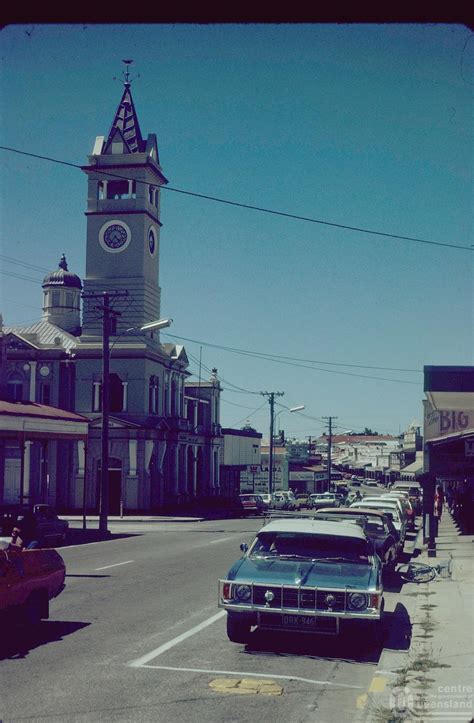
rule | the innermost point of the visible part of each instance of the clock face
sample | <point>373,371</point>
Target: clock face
<point>151,240</point>
<point>115,236</point>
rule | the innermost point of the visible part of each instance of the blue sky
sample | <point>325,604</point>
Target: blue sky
<point>361,125</point>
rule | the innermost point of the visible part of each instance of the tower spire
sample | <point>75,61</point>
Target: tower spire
<point>125,127</point>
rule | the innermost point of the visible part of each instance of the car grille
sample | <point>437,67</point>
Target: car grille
<point>299,598</point>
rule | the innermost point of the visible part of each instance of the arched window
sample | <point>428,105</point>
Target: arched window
<point>116,393</point>
<point>15,388</point>
<point>153,395</point>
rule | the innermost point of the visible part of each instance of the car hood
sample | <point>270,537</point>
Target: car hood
<point>299,572</point>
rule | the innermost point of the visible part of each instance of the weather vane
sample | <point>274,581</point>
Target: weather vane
<point>126,73</point>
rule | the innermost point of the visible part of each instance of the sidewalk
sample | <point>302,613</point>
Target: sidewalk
<point>434,678</point>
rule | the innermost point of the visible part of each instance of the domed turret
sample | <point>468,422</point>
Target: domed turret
<point>62,298</point>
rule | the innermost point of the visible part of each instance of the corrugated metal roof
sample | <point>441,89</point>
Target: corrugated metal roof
<point>44,334</point>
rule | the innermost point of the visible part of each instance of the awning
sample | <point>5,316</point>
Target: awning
<point>415,466</point>
<point>452,437</point>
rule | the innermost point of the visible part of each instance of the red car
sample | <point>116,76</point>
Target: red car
<point>29,579</point>
<point>252,504</point>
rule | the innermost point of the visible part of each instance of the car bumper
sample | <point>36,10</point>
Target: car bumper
<point>374,612</point>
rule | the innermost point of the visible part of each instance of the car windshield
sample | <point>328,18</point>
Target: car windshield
<point>286,545</point>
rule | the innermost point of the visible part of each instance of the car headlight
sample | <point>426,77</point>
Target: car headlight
<point>242,593</point>
<point>357,601</point>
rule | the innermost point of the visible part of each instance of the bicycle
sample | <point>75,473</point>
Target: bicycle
<point>422,572</point>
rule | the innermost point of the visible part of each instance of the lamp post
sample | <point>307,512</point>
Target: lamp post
<point>104,476</point>
<point>272,420</point>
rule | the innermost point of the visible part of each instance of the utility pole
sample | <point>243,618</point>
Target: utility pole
<point>329,450</point>
<point>108,315</point>
<point>271,400</point>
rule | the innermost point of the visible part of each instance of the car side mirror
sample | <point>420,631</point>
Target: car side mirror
<point>244,547</point>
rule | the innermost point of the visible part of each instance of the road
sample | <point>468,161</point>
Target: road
<point>137,636</point>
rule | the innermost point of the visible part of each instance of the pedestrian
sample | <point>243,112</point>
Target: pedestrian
<point>450,498</point>
<point>438,502</point>
<point>25,533</point>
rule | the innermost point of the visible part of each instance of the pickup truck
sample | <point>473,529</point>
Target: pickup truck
<point>29,579</point>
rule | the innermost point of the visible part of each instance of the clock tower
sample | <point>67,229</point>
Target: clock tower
<point>123,222</point>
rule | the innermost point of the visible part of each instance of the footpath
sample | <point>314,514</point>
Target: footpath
<point>434,678</point>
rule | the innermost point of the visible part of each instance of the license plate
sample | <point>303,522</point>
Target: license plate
<point>302,623</point>
<point>298,621</point>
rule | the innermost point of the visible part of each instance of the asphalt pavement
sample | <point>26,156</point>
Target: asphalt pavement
<point>137,636</point>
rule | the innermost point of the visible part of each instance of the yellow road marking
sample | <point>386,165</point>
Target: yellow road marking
<point>245,686</point>
<point>378,684</point>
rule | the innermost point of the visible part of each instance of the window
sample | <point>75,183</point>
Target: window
<point>153,395</point>
<point>100,190</point>
<point>97,397</point>
<point>45,394</point>
<point>118,189</point>
<point>116,393</point>
<point>15,388</point>
<point>55,298</point>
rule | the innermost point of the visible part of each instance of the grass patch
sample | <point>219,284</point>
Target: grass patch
<point>386,715</point>
<point>423,664</point>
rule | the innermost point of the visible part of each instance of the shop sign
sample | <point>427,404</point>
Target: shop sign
<point>446,421</point>
<point>469,447</point>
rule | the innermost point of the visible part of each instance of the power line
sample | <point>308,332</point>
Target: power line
<point>12,260</point>
<point>261,209</point>
<point>260,355</point>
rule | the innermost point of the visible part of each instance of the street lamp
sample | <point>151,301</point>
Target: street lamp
<point>104,486</point>
<point>153,325</point>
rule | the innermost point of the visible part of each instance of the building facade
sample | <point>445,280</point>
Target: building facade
<point>164,432</point>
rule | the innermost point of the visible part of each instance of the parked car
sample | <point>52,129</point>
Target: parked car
<point>370,482</point>
<point>267,500</point>
<point>279,502</point>
<point>303,575</point>
<point>29,579</point>
<point>49,527</point>
<point>301,500</point>
<point>414,493</point>
<point>387,506</point>
<point>252,504</point>
<point>406,505</point>
<point>377,526</point>
<point>285,500</point>
<point>400,506</point>
<point>325,499</point>
<point>356,482</point>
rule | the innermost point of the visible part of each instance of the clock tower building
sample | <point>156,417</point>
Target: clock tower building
<point>123,223</point>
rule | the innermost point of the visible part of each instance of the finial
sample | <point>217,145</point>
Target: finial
<point>63,263</point>
<point>126,72</point>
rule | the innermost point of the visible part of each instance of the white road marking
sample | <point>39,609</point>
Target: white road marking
<point>222,539</point>
<point>241,674</point>
<point>140,662</point>
<point>127,562</point>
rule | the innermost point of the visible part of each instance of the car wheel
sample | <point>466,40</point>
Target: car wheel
<point>238,629</point>
<point>36,608</point>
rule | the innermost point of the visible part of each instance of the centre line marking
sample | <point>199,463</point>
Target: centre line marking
<point>127,562</point>
<point>222,539</point>
<point>140,662</point>
<point>249,675</point>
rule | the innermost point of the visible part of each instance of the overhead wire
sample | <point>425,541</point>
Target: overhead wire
<point>251,207</point>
